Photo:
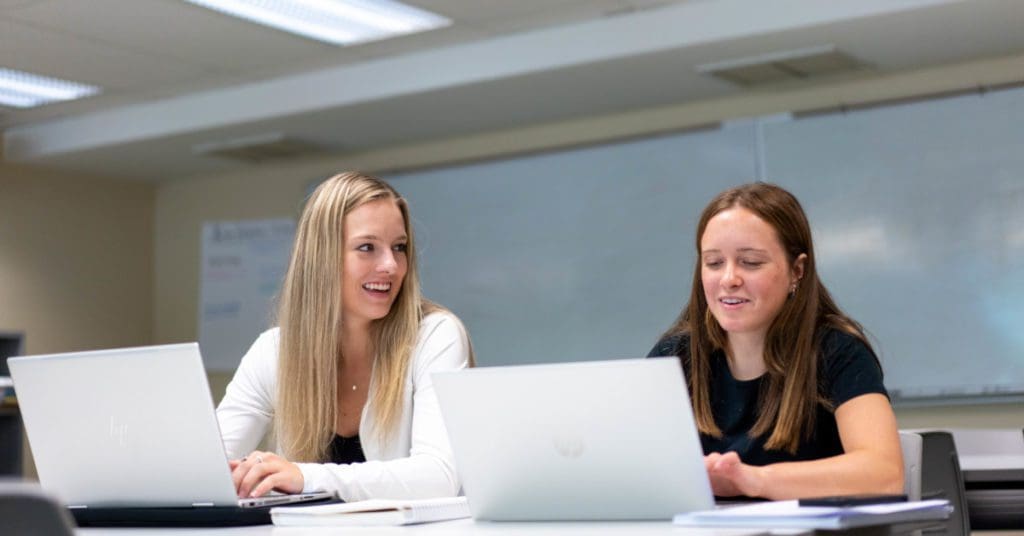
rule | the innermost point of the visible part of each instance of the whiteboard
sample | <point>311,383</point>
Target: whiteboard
<point>588,253</point>
<point>243,264</point>
<point>575,255</point>
<point>918,214</point>
<point>917,211</point>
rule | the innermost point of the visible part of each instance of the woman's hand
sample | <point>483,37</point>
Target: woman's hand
<point>731,477</point>
<point>260,472</point>
<point>871,462</point>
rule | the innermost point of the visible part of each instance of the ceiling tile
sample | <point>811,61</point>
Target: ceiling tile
<point>60,55</point>
<point>174,29</point>
<point>493,10</point>
<point>6,5</point>
<point>419,42</point>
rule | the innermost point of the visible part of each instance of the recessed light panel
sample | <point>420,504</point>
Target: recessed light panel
<point>19,89</point>
<point>339,22</point>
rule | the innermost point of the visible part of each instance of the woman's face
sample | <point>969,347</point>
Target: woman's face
<point>375,260</point>
<point>745,273</point>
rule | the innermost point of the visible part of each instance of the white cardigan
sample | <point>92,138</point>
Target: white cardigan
<point>416,463</point>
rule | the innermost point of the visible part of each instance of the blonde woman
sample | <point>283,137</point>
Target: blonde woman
<point>345,378</point>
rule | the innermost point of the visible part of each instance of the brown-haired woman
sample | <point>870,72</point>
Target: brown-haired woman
<point>786,390</point>
<point>345,378</point>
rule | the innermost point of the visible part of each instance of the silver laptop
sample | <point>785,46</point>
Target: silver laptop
<point>128,428</point>
<point>601,440</point>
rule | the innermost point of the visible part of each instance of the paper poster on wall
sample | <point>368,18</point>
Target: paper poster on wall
<point>243,263</point>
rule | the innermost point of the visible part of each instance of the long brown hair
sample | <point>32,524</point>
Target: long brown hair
<point>789,397</point>
<point>310,317</point>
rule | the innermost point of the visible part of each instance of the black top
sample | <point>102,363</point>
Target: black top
<point>847,369</point>
<point>346,450</point>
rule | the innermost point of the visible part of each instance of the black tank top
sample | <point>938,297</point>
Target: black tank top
<point>346,450</point>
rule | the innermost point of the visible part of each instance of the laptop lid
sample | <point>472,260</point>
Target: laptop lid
<point>128,427</point>
<point>601,440</point>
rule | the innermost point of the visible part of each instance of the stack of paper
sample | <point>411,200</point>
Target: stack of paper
<point>373,512</point>
<point>789,514</point>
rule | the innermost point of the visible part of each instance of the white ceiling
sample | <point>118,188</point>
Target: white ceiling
<point>176,75</point>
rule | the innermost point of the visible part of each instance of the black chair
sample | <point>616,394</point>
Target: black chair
<point>26,510</point>
<point>941,479</point>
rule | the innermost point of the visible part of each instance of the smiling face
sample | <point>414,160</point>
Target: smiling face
<point>375,261</point>
<point>745,272</point>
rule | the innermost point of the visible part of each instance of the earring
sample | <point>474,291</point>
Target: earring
<point>792,290</point>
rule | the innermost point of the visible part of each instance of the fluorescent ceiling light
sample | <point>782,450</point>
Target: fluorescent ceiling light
<point>25,90</point>
<point>339,22</point>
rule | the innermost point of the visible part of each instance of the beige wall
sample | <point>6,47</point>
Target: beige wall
<point>967,416</point>
<point>181,209</point>
<point>275,191</point>
<point>76,262</point>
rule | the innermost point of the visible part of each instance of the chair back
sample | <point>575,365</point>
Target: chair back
<point>911,444</point>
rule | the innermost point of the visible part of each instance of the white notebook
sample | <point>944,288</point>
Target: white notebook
<point>789,514</point>
<point>373,512</point>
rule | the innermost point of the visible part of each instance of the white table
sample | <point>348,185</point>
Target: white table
<point>461,527</point>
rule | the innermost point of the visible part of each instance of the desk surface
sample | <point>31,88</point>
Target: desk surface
<point>469,527</point>
<point>455,528</point>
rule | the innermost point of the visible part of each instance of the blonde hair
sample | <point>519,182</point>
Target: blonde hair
<point>310,318</point>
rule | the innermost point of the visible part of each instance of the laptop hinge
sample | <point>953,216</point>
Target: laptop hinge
<point>202,504</point>
<point>77,507</point>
